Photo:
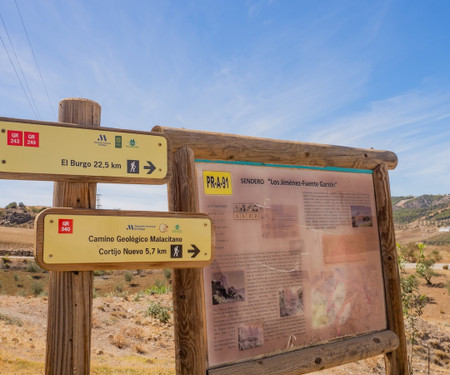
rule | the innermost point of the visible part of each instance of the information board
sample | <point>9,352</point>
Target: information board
<point>56,152</point>
<point>70,239</point>
<point>297,259</point>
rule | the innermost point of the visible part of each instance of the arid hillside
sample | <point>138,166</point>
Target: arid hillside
<point>132,329</point>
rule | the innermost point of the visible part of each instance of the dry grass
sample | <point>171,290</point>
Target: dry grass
<point>16,238</point>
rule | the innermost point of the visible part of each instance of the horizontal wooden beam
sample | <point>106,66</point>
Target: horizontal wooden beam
<point>218,146</point>
<point>316,358</point>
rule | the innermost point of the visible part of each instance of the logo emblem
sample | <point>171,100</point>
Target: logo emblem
<point>132,143</point>
<point>102,140</point>
<point>118,141</point>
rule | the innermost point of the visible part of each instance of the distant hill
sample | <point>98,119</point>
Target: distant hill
<point>431,209</point>
<point>428,209</point>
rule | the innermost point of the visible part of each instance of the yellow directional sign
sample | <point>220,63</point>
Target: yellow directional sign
<point>54,151</point>
<point>70,239</point>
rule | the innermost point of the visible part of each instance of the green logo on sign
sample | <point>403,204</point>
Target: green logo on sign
<point>118,141</point>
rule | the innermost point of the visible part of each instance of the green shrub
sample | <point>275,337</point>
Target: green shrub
<point>158,288</point>
<point>128,276</point>
<point>409,252</point>
<point>118,288</point>
<point>167,273</point>
<point>32,267</point>
<point>11,321</point>
<point>37,288</point>
<point>99,273</point>
<point>5,262</point>
<point>159,312</point>
<point>11,205</point>
<point>425,263</point>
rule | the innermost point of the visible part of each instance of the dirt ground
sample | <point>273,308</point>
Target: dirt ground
<point>127,340</point>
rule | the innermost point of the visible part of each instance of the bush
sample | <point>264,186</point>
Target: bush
<point>159,312</point>
<point>32,267</point>
<point>5,262</point>
<point>425,263</point>
<point>128,276</point>
<point>11,205</point>
<point>118,288</point>
<point>167,273</point>
<point>409,252</point>
<point>158,288</point>
<point>37,288</point>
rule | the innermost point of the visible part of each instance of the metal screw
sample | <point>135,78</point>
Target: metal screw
<point>50,255</point>
<point>51,221</point>
<point>3,161</point>
<point>3,130</point>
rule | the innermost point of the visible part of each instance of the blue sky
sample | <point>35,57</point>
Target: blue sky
<point>352,73</point>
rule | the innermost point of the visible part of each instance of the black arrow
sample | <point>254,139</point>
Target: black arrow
<point>151,168</point>
<point>195,251</point>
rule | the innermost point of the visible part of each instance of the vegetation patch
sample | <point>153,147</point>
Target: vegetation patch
<point>159,312</point>
<point>11,321</point>
<point>439,239</point>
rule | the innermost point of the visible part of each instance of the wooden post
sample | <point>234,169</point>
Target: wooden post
<point>397,360</point>
<point>190,339</point>
<point>70,293</point>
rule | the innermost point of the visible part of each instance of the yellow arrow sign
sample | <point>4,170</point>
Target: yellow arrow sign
<point>70,239</point>
<point>57,152</point>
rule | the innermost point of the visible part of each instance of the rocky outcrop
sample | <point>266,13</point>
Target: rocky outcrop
<point>15,217</point>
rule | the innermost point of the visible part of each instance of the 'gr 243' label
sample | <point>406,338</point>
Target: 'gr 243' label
<point>217,183</point>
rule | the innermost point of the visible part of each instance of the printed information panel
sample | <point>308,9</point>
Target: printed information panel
<point>112,155</point>
<point>297,258</point>
<point>94,239</point>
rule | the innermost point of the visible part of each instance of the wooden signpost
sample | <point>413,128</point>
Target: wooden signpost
<point>66,152</point>
<point>305,275</point>
<point>70,239</point>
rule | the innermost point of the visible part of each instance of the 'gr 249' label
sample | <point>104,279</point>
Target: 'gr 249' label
<point>217,183</point>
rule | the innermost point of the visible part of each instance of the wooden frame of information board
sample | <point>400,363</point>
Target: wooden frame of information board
<point>189,295</point>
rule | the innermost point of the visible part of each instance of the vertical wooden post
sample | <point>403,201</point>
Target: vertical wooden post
<point>396,361</point>
<point>70,293</point>
<point>190,340</point>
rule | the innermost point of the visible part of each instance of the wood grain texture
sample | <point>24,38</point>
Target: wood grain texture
<point>396,361</point>
<point>70,293</point>
<point>216,146</point>
<point>316,358</point>
<point>190,331</point>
